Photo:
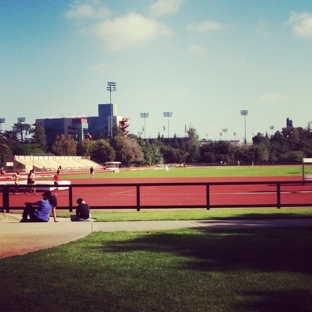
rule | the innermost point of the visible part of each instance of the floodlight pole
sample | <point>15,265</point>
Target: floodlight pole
<point>111,87</point>
<point>168,114</point>
<point>2,121</point>
<point>244,113</point>
<point>144,115</point>
<point>225,130</point>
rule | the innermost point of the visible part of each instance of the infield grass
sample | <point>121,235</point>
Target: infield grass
<point>180,172</point>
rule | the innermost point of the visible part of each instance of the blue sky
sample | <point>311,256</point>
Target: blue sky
<point>202,60</point>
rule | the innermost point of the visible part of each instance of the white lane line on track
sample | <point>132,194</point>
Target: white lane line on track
<point>133,193</point>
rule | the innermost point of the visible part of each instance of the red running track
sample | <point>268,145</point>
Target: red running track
<point>114,197</point>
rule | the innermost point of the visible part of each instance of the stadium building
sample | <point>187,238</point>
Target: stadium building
<point>79,128</point>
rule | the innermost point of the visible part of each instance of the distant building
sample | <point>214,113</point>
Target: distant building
<point>79,128</point>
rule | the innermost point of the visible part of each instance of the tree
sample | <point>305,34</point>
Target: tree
<point>22,130</point>
<point>4,147</point>
<point>64,146</point>
<point>86,147</point>
<point>173,155</point>
<point>151,152</point>
<point>127,150</point>
<point>39,136</point>
<point>103,151</point>
<point>28,149</point>
<point>192,146</point>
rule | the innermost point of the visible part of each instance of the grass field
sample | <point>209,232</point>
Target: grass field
<point>218,171</point>
<point>253,269</point>
<point>182,270</point>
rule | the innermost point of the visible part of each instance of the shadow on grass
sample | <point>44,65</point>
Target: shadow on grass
<point>277,301</point>
<point>261,250</point>
<point>278,214</point>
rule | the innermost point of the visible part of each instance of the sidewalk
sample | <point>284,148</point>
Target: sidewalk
<point>21,238</point>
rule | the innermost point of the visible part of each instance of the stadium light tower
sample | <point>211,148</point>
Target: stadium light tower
<point>21,119</point>
<point>225,130</point>
<point>2,121</point>
<point>111,87</point>
<point>144,115</point>
<point>168,115</point>
<point>244,112</point>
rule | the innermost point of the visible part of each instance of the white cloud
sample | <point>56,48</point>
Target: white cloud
<point>301,24</point>
<point>205,26</point>
<point>99,67</point>
<point>196,49</point>
<point>163,7</point>
<point>273,97</point>
<point>129,30</point>
<point>88,10</point>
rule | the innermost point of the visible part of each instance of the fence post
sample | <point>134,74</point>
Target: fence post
<point>278,194</point>
<point>138,197</point>
<point>208,196</point>
<point>70,194</point>
<point>6,203</point>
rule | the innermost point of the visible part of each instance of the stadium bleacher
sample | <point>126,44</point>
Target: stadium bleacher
<point>52,163</point>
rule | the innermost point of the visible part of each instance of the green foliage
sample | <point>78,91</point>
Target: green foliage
<point>64,146</point>
<point>39,137</point>
<point>103,151</point>
<point>127,150</point>
<point>288,146</point>
<point>85,147</point>
<point>4,147</point>
<point>22,130</point>
<point>151,152</point>
<point>28,149</point>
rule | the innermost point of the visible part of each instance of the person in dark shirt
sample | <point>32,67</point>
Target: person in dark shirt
<point>82,211</point>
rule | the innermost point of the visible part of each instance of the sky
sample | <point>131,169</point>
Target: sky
<point>201,60</point>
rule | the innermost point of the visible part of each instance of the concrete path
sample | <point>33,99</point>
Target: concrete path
<point>20,238</point>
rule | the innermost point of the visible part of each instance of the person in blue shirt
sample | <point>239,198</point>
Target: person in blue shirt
<point>40,210</point>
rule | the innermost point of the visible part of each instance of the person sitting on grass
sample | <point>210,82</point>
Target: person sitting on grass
<point>44,207</point>
<point>82,211</point>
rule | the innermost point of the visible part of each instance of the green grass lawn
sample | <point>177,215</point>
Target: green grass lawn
<point>181,270</point>
<point>214,171</point>
<point>196,214</point>
<point>253,269</point>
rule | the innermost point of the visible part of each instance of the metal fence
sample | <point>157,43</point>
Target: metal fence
<point>179,195</point>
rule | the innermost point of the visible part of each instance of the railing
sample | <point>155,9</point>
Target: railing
<point>255,194</point>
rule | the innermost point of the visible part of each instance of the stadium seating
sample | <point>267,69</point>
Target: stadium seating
<point>52,163</point>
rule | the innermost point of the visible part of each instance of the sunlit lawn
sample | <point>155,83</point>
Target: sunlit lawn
<point>197,214</point>
<point>182,270</point>
<point>213,171</point>
<point>255,269</point>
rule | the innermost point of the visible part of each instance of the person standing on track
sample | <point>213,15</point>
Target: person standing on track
<point>16,178</point>
<point>56,180</point>
<point>31,181</point>
<point>91,173</point>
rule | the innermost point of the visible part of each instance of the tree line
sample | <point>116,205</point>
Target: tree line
<point>287,146</point>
